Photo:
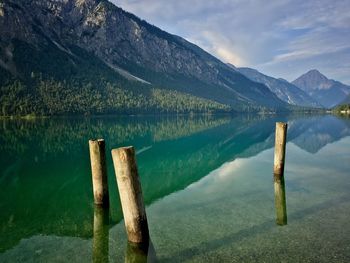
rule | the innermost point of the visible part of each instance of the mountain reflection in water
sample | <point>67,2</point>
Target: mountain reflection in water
<point>45,173</point>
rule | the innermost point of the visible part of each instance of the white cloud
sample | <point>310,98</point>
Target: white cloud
<point>281,38</point>
<point>219,45</point>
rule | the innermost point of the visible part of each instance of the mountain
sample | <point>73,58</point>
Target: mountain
<point>312,134</point>
<point>89,56</point>
<point>345,101</point>
<point>326,91</point>
<point>282,88</point>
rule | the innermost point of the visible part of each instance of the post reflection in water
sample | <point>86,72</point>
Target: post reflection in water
<point>140,253</point>
<point>101,235</point>
<point>280,200</point>
<point>32,174</point>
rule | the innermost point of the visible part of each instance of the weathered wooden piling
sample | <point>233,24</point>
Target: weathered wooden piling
<point>100,242</point>
<point>130,193</point>
<point>278,170</point>
<point>280,147</point>
<point>99,172</point>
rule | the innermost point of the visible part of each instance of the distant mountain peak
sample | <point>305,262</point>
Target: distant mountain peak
<point>313,80</point>
<point>315,74</point>
<point>281,87</point>
<point>326,91</point>
<point>316,71</point>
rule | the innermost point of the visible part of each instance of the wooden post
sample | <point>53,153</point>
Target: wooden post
<point>100,242</point>
<point>99,172</point>
<point>278,171</point>
<point>130,194</point>
<point>280,147</point>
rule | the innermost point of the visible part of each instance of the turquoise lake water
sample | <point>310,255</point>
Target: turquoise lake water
<point>207,183</point>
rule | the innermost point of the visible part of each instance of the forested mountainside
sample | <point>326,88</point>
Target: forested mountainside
<point>91,57</point>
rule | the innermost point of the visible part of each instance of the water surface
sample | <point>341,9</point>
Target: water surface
<point>207,183</point>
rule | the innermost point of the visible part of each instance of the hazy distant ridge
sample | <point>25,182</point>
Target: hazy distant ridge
<point>282,88</point>
<point>326,91</point>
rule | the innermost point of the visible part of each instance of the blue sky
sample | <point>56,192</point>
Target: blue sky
<point>283,38</point>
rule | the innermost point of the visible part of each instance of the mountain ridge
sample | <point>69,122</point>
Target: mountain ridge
<point>76,43</point>
<point>281,87</point>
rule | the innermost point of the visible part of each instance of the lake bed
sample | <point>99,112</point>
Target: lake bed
<point>207,184</point>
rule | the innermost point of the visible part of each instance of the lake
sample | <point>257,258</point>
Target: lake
<point>207,183</point>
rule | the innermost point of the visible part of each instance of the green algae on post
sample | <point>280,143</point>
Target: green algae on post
<point>280,200</point>
<point>100,242</point>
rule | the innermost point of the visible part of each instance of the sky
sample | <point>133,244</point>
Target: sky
<point>280,38</point>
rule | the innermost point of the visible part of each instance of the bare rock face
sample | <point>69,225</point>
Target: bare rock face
<point>108,31</point>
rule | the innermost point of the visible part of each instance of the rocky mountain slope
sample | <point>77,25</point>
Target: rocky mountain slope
<point>62,56</point>
<point>326,91</point>
<point>282,88</point>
